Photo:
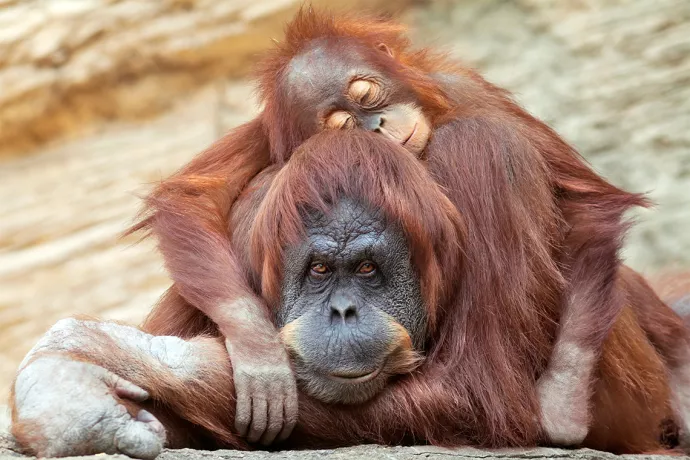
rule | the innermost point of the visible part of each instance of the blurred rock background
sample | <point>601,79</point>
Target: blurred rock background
<point>101,98</point>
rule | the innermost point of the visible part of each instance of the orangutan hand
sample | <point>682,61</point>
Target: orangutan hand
<point>266,390</point>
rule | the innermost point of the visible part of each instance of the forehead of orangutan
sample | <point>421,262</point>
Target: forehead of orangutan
<point>332,74</point>
<point>321,72</point>
<point>335,83</point>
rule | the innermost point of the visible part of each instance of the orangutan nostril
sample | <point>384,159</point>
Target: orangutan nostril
<point>345,315</point>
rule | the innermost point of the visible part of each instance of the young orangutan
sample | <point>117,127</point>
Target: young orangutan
<point>349,72</point>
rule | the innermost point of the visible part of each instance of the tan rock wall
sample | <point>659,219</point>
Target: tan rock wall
<point>613,77</point>
<point>64,63</point>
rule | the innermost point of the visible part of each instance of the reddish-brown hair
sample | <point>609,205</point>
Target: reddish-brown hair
<point>539,232</point>
<point>346,32</point>
<point>373,170</point>
<point>498,286</point>
<point>472,345</point>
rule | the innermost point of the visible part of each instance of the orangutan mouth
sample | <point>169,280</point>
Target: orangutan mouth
<point>414,130</point>
<point>356,378</point>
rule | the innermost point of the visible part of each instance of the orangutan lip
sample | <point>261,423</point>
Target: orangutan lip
<point>414,130</point>
<point>357,378</point>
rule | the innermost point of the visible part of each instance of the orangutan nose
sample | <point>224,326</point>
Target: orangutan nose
<point>343,310</point>
<point>375,122</point>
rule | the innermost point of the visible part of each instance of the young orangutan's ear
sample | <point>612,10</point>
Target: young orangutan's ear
<point>383,47</point>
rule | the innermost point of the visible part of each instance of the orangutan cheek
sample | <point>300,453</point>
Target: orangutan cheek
<point>406,125</point>
<point>420,138</point>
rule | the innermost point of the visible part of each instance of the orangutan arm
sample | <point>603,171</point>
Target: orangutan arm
<point>86,386</point>
<point>189,215</point>
<point>548,185</point>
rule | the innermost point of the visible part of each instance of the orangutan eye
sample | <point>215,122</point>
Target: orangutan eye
<point>365,92</point>
<point>340,120</point>
<point>319,269</point>
<point>366,268</point>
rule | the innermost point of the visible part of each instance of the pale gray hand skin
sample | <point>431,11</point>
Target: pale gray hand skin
<point>266,395</point>
<point>564,394</point>
<point>680,387</point>
<point>265,384</point>
<point>75,407</point>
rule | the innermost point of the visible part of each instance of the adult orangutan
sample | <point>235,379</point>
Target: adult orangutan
<point>352,72</point>
<point>396,336</point>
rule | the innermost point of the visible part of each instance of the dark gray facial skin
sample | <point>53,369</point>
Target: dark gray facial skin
<point>347,321</point>
<point>331,86</point>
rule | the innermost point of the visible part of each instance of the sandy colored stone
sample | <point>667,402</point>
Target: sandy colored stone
<point>366,452</point>
<point>67,63</point>
<point>612,77</point>
<point>134,89</point>
<point>60,251</point>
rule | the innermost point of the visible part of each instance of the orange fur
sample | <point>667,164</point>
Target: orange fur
<point>631,398</point>
<point>515,237</point>
<point>485,398</point>
<point>476,385</point>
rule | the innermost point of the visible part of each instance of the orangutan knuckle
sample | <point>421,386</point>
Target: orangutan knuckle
<point>275,425</point>
<point>257,429</point>
<point>285,373</point>
<point>139,440</point>
<point>257,384</point>
<point>243,416</point>
<point>291,417</point>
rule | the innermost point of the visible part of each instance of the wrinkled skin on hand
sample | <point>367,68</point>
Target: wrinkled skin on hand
<point>80,410</point>
<point>564,405</point>
<point>265,384</point>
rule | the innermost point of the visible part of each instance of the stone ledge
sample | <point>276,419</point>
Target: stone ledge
<point>366,452</point>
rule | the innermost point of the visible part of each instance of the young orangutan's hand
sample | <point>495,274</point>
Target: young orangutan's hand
<point>265,386</point>
<point>564,395</point>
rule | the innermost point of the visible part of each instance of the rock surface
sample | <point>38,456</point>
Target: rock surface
<point>366,452</point>
<point>64,64</point>
<point>9,451</point>
<point>612,77</point>
<point>127,91</point>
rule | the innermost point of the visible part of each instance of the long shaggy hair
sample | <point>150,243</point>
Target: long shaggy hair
<point>376,172</point>
<point>508,226</point>
<point>481,372</point>
<point>490,277</point>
